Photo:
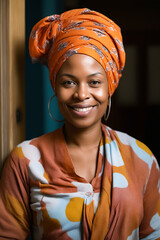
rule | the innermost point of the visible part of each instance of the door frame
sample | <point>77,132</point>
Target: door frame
<point>12,75</point>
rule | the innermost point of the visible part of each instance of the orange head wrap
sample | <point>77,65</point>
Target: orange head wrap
<point>57,37</point>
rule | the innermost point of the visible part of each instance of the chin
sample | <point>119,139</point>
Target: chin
<point>83,124</point>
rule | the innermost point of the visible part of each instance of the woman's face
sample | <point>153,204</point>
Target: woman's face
<point>82,91</point>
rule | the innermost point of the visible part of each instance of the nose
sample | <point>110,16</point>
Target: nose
<point>82,92</point>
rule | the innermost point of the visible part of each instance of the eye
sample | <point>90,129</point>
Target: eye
<point>95,83</point>
<point>68,83</point>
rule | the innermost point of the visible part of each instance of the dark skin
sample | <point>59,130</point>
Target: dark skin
<point>82,94</point>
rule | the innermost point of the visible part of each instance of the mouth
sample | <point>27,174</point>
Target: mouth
<point>82,110</point>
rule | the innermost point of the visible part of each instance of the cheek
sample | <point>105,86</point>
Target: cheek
<point>63,99</point>
<point>62,95</point>
<point>101,95</point>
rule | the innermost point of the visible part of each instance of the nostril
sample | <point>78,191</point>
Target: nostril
<point>81,93</point>
<point>76,94</point>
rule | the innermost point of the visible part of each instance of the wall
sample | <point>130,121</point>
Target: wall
<point>38,88</point>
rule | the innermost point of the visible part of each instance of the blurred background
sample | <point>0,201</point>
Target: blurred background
<point>136,103</point>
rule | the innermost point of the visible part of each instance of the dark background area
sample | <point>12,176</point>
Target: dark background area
<point>136,103</point>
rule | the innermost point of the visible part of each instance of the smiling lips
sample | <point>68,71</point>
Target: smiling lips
<point>81,110</point>
<point>85,109</point>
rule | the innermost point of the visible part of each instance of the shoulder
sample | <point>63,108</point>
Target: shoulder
<point>129,145</point>
<point>27,156</point>
<point>32,149</point>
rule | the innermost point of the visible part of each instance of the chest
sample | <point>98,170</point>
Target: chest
<point>60,215</point>
<point>57,206</point>
<point>84,162</point>
<point>64,210</point>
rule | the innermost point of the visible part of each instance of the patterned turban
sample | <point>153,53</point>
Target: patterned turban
<point>55,38</point>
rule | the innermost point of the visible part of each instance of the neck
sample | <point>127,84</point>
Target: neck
<point>83,137</point>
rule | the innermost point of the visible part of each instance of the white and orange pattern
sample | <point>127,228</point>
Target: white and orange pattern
<point>57,37</point>
<point>42,195</point>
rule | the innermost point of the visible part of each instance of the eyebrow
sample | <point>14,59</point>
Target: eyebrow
<point>70,75</point>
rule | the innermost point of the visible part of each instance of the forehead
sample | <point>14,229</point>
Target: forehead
<point>81,63</point>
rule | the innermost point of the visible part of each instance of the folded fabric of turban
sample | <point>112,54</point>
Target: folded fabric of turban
<point>55,38</point>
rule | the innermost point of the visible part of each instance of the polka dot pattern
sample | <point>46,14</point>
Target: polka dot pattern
<point>140,149</point>
<point>119,181</point>
<point>63,203</point>
<point>134,235</point>
<point>36,170</point>
<point>74,209</point>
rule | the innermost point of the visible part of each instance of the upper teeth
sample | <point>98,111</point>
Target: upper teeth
<point>83,109</point>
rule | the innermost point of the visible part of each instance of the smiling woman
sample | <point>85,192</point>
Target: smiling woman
<point>84,180</point>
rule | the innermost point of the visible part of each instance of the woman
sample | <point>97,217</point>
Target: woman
<point>84,180</point>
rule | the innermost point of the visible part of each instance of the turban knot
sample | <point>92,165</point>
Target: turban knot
<point>55,38</point>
